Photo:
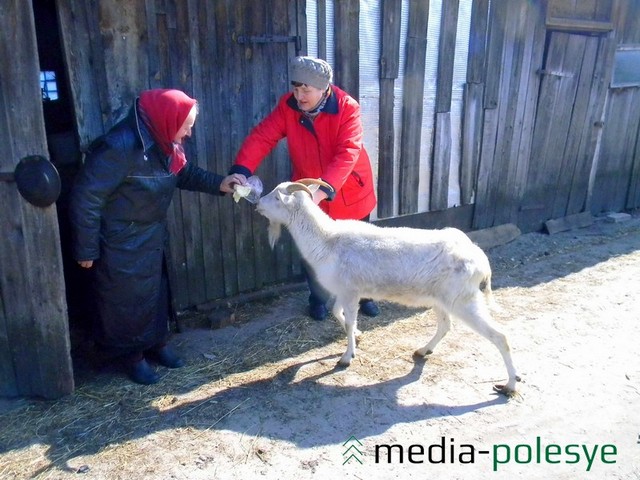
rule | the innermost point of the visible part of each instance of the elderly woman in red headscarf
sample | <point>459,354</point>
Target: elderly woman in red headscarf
<point>118,213</point>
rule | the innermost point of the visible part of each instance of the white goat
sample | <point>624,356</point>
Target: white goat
<point>441,269</point>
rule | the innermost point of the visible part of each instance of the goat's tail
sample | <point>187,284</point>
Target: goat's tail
<point>485,285</point>
<point>485,288</point>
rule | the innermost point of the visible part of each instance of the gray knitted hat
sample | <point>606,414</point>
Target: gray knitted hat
<point>311,71</point>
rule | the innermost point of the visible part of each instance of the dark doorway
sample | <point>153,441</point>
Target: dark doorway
<point>64,151</point>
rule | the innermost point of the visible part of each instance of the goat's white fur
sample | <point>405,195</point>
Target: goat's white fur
<point>441,269</point>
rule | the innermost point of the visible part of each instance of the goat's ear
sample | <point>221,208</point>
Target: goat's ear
<point>313,188</point>
<point>286,199</point>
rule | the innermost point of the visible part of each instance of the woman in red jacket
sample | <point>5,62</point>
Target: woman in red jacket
<point>323,129</point>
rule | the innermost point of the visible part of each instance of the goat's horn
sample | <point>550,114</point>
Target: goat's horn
<point>294,187</point>
<point>315,181</point>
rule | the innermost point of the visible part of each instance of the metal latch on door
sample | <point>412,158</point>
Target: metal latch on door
<point>555,73</point>
<point>243,39</point>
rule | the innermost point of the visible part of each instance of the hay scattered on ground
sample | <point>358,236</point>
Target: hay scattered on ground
<point>39,438</point>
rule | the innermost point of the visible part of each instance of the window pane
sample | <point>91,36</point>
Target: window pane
<point>48,85</point>
<point>626,71</point>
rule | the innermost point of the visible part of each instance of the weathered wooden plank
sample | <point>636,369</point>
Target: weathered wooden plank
<point>386,149</point>
<point>585,8</point>
<point>556,150</point>
<point>477,41</point>
<point>232,77</point>
<point>483,213</point>
<point>298,26</point>
<point>121,28</point>
<point>153,57</point>
<point>439,191</point>
<point>389,70</point>
<point>185,224</point>
<point>518,93</point>
<point>557,94</point>
<point>604,10</point>
<point>8,381</point>
<point>626,168</point>
<point>85,66</point>
<point>203,202</point>
<point>509,108</point>
<point>603,197</point>
<point>11,363</point>
<point>412,109</point>
<point>446,55</point>
<point>570,222</point>
<point>187,232</point>
<point>458,217</point>
<point>261,63</point>
<point>347,46</point>
<point>492,237</point>
<point>573,176</point>
<point>390,37</point>
<point>202,46</point>
<point>214,126</point>
<point>580,10</point>
<point>628,20</point>
<point>273,58</point>
<point>531,83</point>
<point>589,151</point>
<point>577,25</point>
<point>322,28</point>
<point>33,320</point>
<point>190,80</point>
<point>471,141</point>
<point>160,68</point>
<point>255,59</point>
<point>495,44</point>
<point>633,198</point>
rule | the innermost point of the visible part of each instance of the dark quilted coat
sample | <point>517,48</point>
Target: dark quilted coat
<point>118,212</point>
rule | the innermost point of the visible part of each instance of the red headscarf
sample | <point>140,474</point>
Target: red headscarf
<point>164,112</point>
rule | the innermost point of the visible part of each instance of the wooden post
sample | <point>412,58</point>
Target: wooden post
<point>34,337</point>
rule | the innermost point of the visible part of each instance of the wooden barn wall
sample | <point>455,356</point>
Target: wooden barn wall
<point>34,338</point>
<point>537,78</point>
<point>219,53</point>
<point>537,141</point>
<point>617,176</point>
<point>543,136</point>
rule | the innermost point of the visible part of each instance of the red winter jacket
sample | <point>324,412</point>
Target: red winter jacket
<point>330,148</point>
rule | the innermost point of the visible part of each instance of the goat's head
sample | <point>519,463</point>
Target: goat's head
<point>280,205</point>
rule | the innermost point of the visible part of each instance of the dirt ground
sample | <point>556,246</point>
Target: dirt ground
<point>262,398</point>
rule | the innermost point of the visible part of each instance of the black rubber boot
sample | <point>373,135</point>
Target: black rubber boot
<point>165,356</point>
<point>369,308</point>
<point>141,372</point>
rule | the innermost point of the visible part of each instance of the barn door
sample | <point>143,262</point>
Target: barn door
<point>34,338</point>
<point>570,103</point>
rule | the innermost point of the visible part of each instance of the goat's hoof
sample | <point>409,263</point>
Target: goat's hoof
<point>345,362</point>
<point>420,353</point>
<point>506,391</point>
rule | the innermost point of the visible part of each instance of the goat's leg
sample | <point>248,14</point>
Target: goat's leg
<point>338,312</point>
<point>443,326</point>
<point>347,314</point>
<point>476,314</point>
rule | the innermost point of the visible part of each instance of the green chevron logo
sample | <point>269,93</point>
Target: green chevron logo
<point>352,452</point>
